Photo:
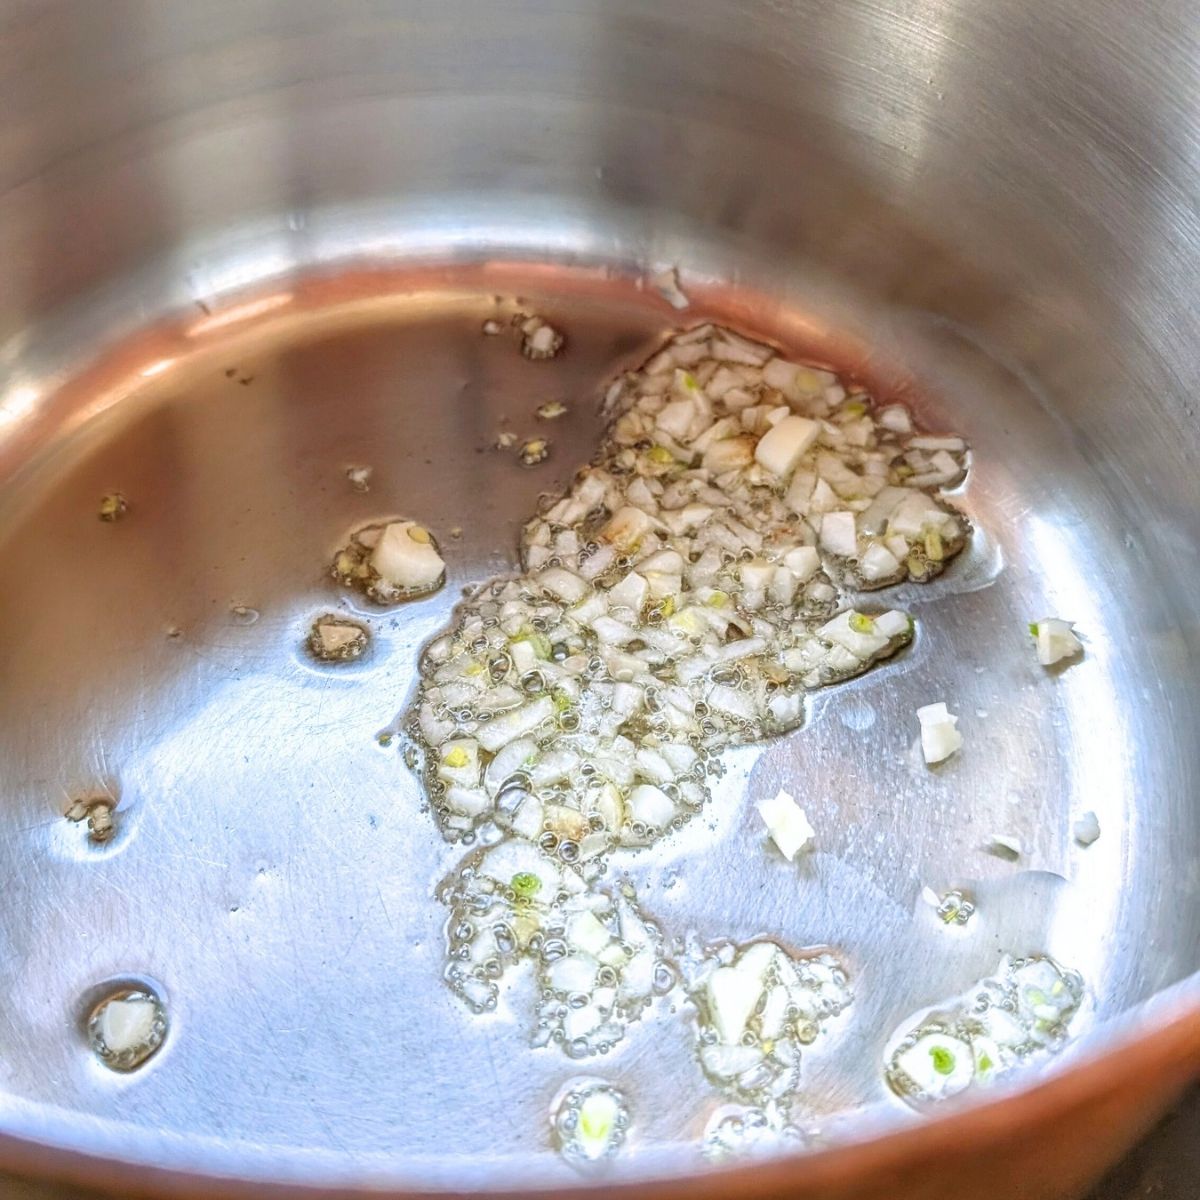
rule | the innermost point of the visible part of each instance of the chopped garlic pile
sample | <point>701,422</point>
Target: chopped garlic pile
<point>1020,1014</point>
<point>681,597</point>
<point>598,961</point>
<point>757,1007</point>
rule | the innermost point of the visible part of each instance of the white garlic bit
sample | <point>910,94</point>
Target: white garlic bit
<point>786,822</point>
<point>406,557</point>
<point>939,737</point>
<point>1056,640</point>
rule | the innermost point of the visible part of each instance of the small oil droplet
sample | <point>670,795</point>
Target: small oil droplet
<point>1017,1017</point>
<point>127,1028</point>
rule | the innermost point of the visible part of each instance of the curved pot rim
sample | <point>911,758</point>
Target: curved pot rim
<point>1157,1041</point>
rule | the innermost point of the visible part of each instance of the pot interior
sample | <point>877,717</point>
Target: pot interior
<point>266,258</point>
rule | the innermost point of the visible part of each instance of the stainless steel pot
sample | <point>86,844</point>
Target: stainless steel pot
<point>249,243</point>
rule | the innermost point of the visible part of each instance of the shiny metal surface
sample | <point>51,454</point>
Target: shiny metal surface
<point>986,208</point>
